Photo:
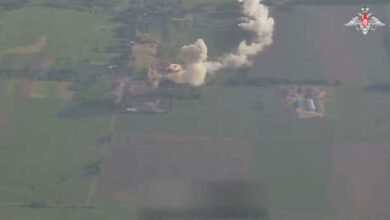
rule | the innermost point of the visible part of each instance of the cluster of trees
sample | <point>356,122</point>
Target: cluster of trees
<point>56,74</point>
<point>17,73</point>
<point>104,140</point>
<point>37,204</point>
<point>186,93</point>
<point>125,34</point>
<point>92,169</point>
<point>91,6</point>
<point>380,87</point>
<point>180,92</point>
<point>82,72</point>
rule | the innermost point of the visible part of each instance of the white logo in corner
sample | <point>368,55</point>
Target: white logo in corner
<point>365,22</point>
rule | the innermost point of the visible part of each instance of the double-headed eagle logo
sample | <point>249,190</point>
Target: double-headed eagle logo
<point>365,22</point>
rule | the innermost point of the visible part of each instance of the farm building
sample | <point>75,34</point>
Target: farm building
<point>317,105</point>
<point>299,104</point>
<point>310,105</point>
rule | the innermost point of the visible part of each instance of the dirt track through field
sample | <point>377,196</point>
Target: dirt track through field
<point>28,49</point>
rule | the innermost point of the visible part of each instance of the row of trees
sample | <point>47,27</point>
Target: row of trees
<point>12,4</point>
<point>92,6</point>
<point>243,80</point>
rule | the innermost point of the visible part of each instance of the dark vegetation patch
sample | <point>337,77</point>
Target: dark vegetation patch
<point>88,109</point>
<point>270,81</point>
<point>12,4</point>
<point>186,93</point>
<point>379,87</point>
<point>92,169</point>
<point>37,204</point>
<point>91,6</point>
<point>104,140</point>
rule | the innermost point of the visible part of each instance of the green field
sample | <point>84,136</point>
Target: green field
<point>8,87</point>
<point>43,155</point>
<point>77,36</point>
<point>84,214</point>
<point>34,89</point>
<point>293,158</point>
<point>46,89</point>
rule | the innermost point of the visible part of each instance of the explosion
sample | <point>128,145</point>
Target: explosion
<point>194,56</point>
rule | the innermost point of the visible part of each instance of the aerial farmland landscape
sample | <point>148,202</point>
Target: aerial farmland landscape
<point>193,109</point>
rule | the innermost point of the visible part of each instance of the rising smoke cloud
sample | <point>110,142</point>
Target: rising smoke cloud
<point>194,56</point>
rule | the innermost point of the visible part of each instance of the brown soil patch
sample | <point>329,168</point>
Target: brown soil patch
<point>34,93</point>
<point>145,56</point>
<point>47,64</point>
<point>65,93</point>
<point>24,88</point>
<point>28,49</point>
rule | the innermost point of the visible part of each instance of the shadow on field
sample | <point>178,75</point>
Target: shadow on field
<point>87,110</point>
<point>219,200</point>
<point>379,87</point>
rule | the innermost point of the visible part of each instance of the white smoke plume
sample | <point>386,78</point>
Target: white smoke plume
<point>196,66</point>
<point>194,57</point>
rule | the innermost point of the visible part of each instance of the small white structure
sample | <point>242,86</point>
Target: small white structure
<point>310,105</point>
<point>131,110</point>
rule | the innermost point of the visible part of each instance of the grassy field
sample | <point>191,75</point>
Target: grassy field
<point>35,89</point>
<point>78,36</point>
<point>296,159</point>
<point>59,214</point>
<point>291,157</point>
<point>43,155</point>
<point>327,49</point>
